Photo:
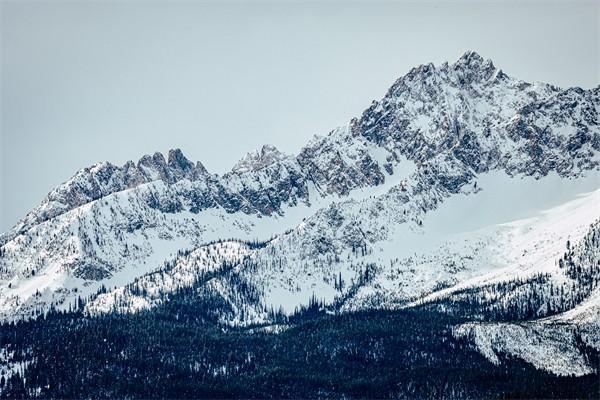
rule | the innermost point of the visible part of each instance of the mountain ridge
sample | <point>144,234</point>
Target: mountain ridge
<point>104,178</point>
<point>351,221</point>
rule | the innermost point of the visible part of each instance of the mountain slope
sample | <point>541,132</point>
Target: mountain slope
<point>433,194</point>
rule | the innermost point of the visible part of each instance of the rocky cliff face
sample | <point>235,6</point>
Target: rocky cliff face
<point>486,120</point>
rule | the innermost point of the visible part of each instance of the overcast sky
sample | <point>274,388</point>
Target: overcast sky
<point>87,81</point>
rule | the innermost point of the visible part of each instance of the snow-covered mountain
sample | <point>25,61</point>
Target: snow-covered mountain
<point>460,178</point>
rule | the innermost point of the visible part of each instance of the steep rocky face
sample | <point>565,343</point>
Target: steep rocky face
<point>557,133</point>
<point>431,137</point>
<point>485,119</point>
<point>254,161</point>
<point>340,163</point>
<point>267,179</point>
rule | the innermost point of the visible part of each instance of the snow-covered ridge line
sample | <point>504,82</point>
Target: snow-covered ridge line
<point>436,109</point>
<point>357,198</point>
<point>261,183</point>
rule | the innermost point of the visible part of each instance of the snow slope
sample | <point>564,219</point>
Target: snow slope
<point>411,260</point>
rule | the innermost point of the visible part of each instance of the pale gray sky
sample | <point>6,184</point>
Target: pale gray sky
<point>87,81</point>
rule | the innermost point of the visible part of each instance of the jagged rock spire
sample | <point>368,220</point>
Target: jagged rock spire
<point>255,160</point>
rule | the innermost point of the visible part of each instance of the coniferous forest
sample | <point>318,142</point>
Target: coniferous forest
<point>179,350</point>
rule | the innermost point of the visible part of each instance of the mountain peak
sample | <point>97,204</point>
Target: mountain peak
<point>255,160</point>
<point>177,161</point>
<point>470,56</point>
<point>428,109</point>
<point>159,158</point>
<point>473,67</point>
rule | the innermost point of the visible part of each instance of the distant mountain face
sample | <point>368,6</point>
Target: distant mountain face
<point>469,113</point>
<point>434,190</point>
